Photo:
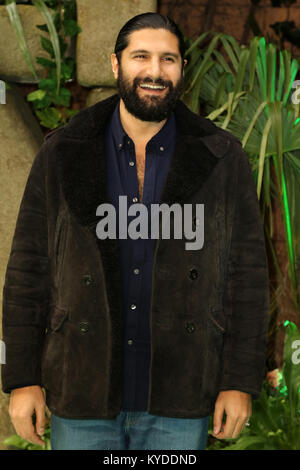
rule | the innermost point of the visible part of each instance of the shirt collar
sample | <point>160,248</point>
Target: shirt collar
<point>161,140</point>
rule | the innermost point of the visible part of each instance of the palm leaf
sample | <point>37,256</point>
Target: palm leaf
<point>252,123</point>
<point>196,43</point>
<point>229,51</point>
<point>40,4</point>
<point>262,154</point>
<point>249,97</point>
<point>222,61</point>
<point>202,69</point>
<point>271,72</point>
<point>14,17</point>
<point>252,60</point>
<point>281,77</point>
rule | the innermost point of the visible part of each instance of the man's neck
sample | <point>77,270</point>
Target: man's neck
<point>139,131</point>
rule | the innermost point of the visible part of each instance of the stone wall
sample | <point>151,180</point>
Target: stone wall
<point>13,66</point>
<point>230,17</point>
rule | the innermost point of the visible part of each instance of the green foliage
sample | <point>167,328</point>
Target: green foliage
<point>51,102</point>
<point>248,90</point>
<point>275,420</point>
<point>15,20</point>
<point>49,117</point>
<point>71,28</point>
<point>15,442</point>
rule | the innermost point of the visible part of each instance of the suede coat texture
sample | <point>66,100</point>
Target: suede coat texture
<point>62,314</point>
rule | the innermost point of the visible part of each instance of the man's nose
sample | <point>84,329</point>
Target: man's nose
<point>154,68</point>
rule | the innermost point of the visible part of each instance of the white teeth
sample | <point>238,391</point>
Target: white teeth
<point>153,87</point>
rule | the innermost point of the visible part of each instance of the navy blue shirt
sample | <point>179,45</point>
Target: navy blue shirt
<point>136,255</point>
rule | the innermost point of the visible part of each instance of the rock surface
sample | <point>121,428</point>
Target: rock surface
<point>13,66</point>
<point>101,22</point>
<point>99,94</point>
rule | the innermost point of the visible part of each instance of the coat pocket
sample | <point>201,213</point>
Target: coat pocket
<point>216,330</point>
<point>52,364</point>
<point>57,318</point>
<point>217,318</point>
<point>60,244</point>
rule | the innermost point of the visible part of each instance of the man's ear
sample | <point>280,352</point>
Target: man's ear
<point>114,65</point>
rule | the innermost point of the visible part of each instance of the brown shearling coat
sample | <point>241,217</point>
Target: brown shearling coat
<point>62,314</point>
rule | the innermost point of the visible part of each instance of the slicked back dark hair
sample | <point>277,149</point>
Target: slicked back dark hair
<point>147,20</point>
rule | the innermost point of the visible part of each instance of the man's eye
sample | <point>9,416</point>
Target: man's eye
<point>143,56</point>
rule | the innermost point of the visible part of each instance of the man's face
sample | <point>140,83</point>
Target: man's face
<point>149,77</point>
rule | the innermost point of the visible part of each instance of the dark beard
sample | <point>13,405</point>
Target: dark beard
<point>151,108</point>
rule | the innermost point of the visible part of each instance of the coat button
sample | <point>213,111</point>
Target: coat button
<point>193,274</point>
<point>87,279</point>
<point>84,327</point>
<point>190,327</point>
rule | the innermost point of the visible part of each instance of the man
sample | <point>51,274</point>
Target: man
<point>136,341</point>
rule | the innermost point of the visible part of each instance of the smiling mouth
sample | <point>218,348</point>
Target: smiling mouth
<point>154,88</point>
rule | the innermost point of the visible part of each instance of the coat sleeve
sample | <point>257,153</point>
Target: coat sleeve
<point>27,286</point>
<point>246,296</point>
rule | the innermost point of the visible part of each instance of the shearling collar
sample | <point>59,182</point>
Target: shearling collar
<point>81,158</point>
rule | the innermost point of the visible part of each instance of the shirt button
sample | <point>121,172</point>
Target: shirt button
<point>128,142</point>
<point>136,271</point>
<point>131,163</point>
<point>132,306</point>
<point>161,149</point>
<point>190,327</point>
<point>135,199</point>
<point>87,279</point>
<point>193,273</point>
<point>120,146</point>
<point>130,342</point>
<point>83,327</point>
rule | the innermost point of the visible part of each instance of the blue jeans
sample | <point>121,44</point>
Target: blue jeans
<point>136,430</point>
